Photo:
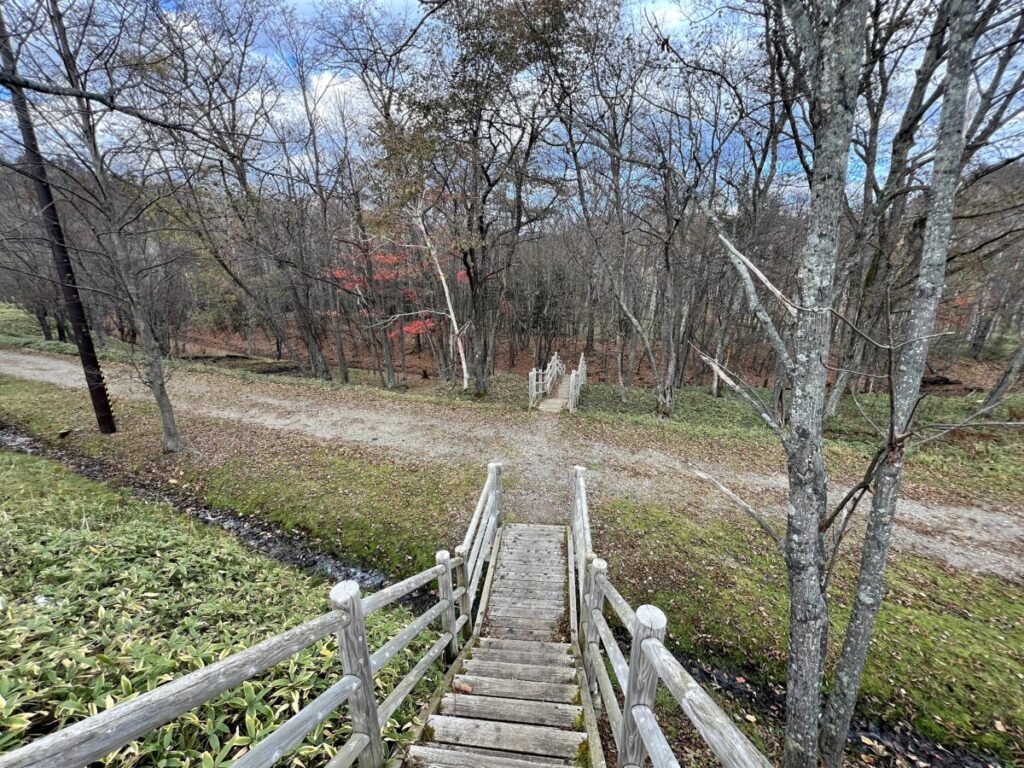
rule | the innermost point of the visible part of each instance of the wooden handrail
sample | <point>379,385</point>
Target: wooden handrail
<point>291,733</point>
<point>96,736</point>
<point>728,743</point>
<point>541,382</point>
<point>637,735</point>
<point>576,381</point>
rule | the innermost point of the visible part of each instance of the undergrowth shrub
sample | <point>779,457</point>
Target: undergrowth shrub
<point>103,597</point>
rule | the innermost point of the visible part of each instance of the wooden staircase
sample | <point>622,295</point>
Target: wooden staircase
<point>516,701</point>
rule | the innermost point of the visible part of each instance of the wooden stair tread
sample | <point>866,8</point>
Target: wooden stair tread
<point>512,671</point>
<point>512,656</point>
<point>549,713</point>
<point>530,690</point>
<point>525,645</point>
<point>518,633</point>
<point>512,737</point>
<point>450,756</point>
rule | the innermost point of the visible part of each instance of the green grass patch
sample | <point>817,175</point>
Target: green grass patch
<point>103,597</point>
<point>360,505</point>
<point>947,655</point>
<point>371,513</point>
<point>20,329</point>
<point>985,463</point>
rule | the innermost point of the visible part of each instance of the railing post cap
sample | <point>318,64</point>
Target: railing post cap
<point>460,550</point>
<point>651,617</point>
<point>344,592</point>
<point>601,566</point>
<point>580,469</point>
<point>442,556</point>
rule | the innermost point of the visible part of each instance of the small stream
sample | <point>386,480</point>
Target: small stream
<point>285,546</point>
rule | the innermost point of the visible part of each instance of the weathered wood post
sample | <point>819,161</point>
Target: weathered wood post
<point>642,684</point>
<point>594,598</point>
<point>445,592</point>
<point>355,659</point>
<point>499,492</point>
<point>466,599</point>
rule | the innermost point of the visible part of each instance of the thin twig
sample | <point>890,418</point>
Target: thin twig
<point>758,517</point>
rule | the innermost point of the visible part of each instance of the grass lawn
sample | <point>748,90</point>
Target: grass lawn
<point>948,654</point>
<point>103,596</point>
<point>360,504</point>
<point>967,466</point>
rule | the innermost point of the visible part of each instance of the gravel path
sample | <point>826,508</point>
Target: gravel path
<point>538,454</point>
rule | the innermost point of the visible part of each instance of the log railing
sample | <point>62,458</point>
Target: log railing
<point>576,381</point>
<point>457,578</point>
<point>627,691</point>
<point>542,382</point>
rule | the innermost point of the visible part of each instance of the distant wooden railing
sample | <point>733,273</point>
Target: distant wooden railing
<point>576,381</point>
<point>542,382</point>
<point>99,735</point>
<point>634,726</point>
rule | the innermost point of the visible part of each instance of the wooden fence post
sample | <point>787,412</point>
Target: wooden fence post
<point>499,492</point>
<point>445,592</point>
<point>355,659</point>
<point>466,599</point>
<point>594,598</point>
<point>642,684</point>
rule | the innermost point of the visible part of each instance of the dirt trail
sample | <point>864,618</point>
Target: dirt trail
<point>537,452</point>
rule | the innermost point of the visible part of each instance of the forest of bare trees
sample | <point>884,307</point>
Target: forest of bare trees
<point>789,200</point>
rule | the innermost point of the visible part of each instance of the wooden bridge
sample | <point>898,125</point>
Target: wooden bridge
<point>547,394</point>
<point>535,673</point>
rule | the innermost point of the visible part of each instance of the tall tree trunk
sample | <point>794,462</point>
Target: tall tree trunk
<point>155,378</point>
<point>36,170</point>
<point>44,325</point>
<point>837,49</point>
<point>1010,375</point>
<point>339,347</point>
<point>906,382</point>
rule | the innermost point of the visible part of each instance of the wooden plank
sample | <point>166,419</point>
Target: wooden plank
<point>529,739</point>
<point>388,595</point>
<point>516,689</point>
<point>531,646</point>
<point>511,710</point>
<point>518,633</point>
<point>728,742</point>
<point>536,527</point>
<point>511,671</point>
<point>515,610</point>
<point>556,658</point>
<point>447,756</point>
<point>97,736</point>
<point>543,564</point>
<point>521,599</point>
<point>658,749</point>
<point>527,593</point>
<point>522,623</point>
<point>551,577</point>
